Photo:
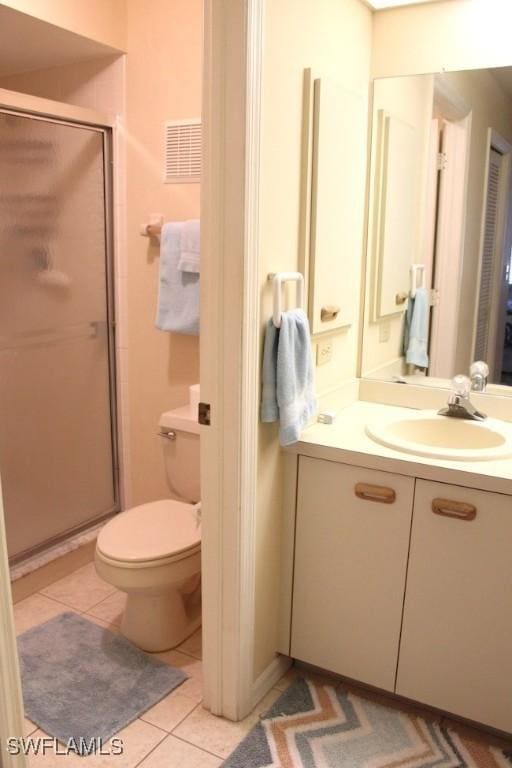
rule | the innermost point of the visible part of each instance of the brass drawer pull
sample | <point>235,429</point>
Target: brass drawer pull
<point>370,492</point>
<point>401,298</point>
<point>461,510</point>
<point>330,312</point>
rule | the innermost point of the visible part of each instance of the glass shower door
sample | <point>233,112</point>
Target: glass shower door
<point>57,431</point>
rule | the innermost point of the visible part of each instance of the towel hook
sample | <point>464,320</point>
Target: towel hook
<point>278,278</point>
<point>415,268</point>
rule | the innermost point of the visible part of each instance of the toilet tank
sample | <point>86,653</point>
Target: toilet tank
<point>179,435</point>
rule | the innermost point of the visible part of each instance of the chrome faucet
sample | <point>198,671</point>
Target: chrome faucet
<point>459,405</point>
<point>479,373</point>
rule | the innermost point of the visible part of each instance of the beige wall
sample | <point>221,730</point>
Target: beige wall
<point>100,20</point>
<point>334,38</point>
<point>97,84</point>
<point>164,71</point>
<point>451,35</point>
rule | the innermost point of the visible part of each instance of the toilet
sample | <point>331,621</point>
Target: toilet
<point>153,551</point>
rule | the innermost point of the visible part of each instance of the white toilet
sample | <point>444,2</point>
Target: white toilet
<point>153,551</point>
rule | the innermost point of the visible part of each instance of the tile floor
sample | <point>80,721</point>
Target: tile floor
<point>175,732</point>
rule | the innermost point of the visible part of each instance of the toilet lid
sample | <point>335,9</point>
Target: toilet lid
<point>151,531</point>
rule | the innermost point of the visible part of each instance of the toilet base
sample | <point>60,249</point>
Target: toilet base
<point>160,622</point>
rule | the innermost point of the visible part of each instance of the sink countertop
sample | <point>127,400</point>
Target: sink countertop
<point>346,441</point>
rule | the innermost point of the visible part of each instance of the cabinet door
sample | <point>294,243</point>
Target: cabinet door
<point>456,646</point>
<point>350,564</point>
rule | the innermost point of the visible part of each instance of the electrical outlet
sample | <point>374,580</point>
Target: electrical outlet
<point>323,352</point>
<point>384,331</point>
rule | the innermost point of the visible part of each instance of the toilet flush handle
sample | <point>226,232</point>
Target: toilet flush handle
<point>169,434</point>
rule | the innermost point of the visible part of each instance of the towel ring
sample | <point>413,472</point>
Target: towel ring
<point>415,268</point>
<point>278,278</point>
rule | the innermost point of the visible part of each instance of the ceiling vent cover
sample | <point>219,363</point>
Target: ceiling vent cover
<point>183,140</point>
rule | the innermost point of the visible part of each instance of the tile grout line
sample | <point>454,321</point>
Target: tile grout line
<point>95,605</point>
<point>178,738</point>
<point>202,749</point>
<point>193,704</point>
<point>186,716</point>
<point>193,744</point>
<point>67,605</point>
<point>49,586</point>
<point>196,658</point>
<point>164,736</point>
<point>109,622</point>
<point>52,600</point>
<point>158,727</point>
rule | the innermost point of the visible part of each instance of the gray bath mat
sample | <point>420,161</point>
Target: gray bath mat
<point>82,684</point>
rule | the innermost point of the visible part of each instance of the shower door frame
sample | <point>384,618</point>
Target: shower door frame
<point>63,114</point>
<point>11,702</point>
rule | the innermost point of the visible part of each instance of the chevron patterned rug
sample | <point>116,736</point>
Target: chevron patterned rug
<point>315,725</point>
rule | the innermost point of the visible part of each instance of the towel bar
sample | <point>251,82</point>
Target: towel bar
<point>278,278</point>
<point>153,228</point>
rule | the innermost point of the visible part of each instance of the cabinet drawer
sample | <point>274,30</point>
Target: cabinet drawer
<point>456,646</point>
<point>351,548</point>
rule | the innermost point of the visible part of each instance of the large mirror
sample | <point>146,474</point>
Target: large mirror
<point>439,282</point>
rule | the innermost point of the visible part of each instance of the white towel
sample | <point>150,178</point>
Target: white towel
<point>190,246</point>
<point>288,392</point>
<point>178,294</point>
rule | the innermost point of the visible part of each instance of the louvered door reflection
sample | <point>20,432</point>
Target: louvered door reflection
<point>489,257</point>
<point>57,453</point>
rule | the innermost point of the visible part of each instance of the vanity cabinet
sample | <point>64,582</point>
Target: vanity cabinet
<point>456,646</point>
<point>406,585</point>
<point>352,539</point>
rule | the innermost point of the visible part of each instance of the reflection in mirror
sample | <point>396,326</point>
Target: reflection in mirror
<point>439,283</point>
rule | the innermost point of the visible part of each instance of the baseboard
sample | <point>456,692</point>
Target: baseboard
<point>269,677</point>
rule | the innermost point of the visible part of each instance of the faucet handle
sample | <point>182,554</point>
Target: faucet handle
<point>461,385</point>
<point>479,368</point>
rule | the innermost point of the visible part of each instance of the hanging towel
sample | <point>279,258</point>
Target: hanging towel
<point>416,329</point>
<point>190,246</point>
<point>178,293</point>
<point>287,392</point>
<point>269,407</point>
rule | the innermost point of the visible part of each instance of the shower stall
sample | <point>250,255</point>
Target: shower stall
<point>58,457</point>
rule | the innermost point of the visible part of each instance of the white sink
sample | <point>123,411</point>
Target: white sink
<point>425,433</point>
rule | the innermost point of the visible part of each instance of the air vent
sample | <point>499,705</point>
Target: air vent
<point>183,151</point>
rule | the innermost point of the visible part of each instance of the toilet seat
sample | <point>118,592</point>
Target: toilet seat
<point>156,533</point>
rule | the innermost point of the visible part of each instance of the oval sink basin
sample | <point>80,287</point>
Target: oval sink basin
<point>425,433</point>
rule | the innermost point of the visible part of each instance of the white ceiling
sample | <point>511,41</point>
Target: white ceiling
<point>27,43</point>
<point>379,5</point>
